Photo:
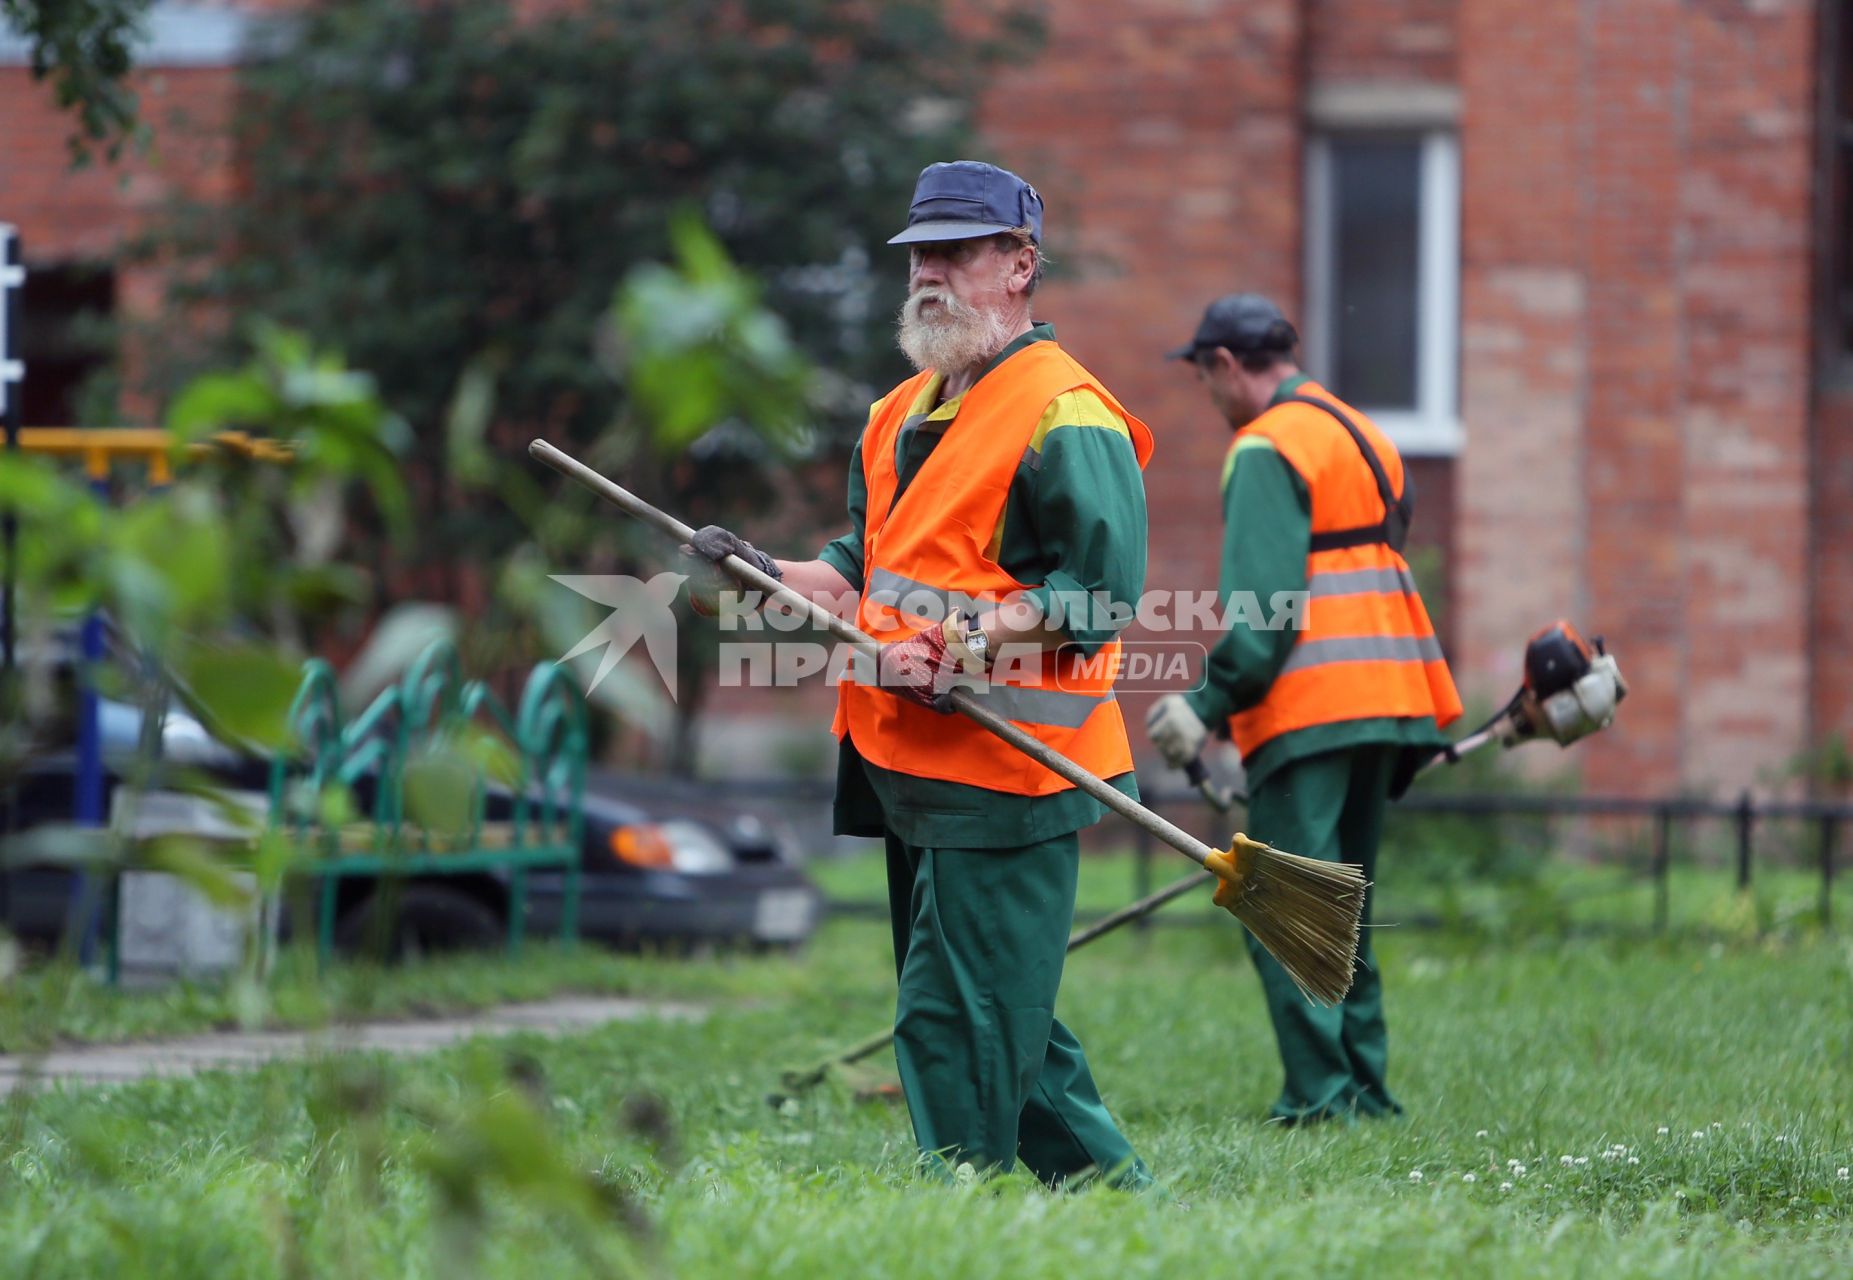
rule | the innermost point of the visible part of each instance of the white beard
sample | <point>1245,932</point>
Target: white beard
<point>955,338</point>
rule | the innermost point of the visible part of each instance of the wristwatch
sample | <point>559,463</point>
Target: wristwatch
<point>977,643</point>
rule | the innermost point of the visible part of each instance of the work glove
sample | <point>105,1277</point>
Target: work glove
<point>925,667</point>
<point>1175,730</point>
<point>713,543</point>
<point>717,544</point>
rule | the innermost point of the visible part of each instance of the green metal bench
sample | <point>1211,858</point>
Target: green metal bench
<point>432,718</point>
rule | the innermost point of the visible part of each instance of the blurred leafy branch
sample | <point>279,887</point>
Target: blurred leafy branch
<point>85,47</point>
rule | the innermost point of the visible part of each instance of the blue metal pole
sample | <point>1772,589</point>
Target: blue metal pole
<point>87,809</point>
<point>12,282</point>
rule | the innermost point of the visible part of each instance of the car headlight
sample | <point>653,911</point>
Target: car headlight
<point>675,845</point>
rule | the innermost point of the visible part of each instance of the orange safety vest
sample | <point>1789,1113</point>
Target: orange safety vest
<point>932,551</point>
<point>1366,648</point>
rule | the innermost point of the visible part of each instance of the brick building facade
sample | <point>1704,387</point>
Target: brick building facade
<point>1587,260</point>
<point>1649,428</point>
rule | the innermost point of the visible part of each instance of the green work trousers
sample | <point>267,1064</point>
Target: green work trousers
<point>1328,806</point>
<point>991,1077</point>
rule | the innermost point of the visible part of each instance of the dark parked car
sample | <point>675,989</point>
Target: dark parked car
<point>680,866</point>
<point>662,864</point>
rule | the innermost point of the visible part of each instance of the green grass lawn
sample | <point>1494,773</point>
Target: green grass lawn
<point>46,1006</point>
<point>53,1005</point>
<point>650,1148</point>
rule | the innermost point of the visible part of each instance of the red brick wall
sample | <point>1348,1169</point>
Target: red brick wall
<point>1634,487</point>
<point>1382,40</point>
<point>1165,138</point>
<point>1519,493</point>
<point>67,215</point>
<point>1637,199</point>
<point>1832,631</point>
<point>1747,272</point>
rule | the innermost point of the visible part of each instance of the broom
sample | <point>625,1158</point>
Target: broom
<point>1305,912</point>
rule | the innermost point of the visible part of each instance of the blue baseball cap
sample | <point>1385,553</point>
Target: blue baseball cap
<point>962,199</point>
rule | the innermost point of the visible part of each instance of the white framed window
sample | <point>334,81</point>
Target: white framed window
<point>1383,278</point>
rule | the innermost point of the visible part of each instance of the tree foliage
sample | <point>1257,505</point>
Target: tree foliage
<point>85,47</point>
<point>451,194</point>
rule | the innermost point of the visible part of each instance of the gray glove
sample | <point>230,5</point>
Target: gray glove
<point>717,544</point>
<point>1175,730</point>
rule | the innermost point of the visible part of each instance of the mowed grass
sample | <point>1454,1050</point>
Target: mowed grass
<point>1577,1106</point>
<point>48,1005</point>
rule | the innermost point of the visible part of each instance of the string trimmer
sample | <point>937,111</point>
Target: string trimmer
<point>1304,911</point>
<point>1570,690</point>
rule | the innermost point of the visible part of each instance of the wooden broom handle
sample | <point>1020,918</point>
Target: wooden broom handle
<point>962,700</point>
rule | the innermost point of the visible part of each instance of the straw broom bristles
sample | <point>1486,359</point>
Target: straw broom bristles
<point>1305,912</point>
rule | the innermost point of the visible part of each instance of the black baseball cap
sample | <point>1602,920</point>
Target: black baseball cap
<point>963,199</point>
<point>1244,323</point>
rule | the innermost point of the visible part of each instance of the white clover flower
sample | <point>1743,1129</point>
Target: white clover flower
<point>1480,1133</point>
<point>1782,1137</point>
<point>1468,1177</point>
<point>1634,1159</point>
<point>1663,1131</point>
<point>1719,1124</point>
<point>1505,1186</point>
<point>1843,1173</point>
<point>1698,1133</point>
<point>1519,1169</point>
<point>1582,1159</point>
<point>1415,1175</point>
<point>1566,1161</point>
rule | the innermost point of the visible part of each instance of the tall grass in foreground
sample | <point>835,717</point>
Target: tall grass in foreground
<point>1576,1107</point>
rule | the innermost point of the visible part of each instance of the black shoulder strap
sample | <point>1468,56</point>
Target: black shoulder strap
<point>1397,509</point>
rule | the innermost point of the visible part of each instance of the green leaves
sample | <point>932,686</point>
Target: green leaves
<point>455,196</point>
<point>241,691</point>
<point>84,47</point>
<point>696,348</point>
<point>327,414</point>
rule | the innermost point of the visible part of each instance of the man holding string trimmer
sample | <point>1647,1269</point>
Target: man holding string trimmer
<point>1330,717</point>
<point>998,482</point>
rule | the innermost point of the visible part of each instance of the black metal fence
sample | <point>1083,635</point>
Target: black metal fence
<point>1742,819</point>
<point>1741,832</point>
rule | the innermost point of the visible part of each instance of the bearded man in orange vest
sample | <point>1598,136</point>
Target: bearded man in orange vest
<point>1332,715</point>
<point>996,504</point>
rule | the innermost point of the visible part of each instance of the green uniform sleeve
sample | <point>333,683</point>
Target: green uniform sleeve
<point>844,554</point>
<point>1267,530</point>
<point>1087,506</point>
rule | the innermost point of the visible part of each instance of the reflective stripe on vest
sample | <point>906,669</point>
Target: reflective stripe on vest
<point>1367,648</point>
<point>911,596</point>
<point>1346,582</point>
<point>929,550</point>
<point>1320,653</point>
